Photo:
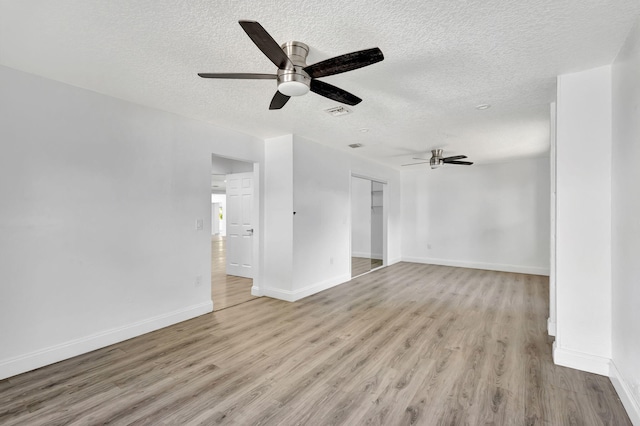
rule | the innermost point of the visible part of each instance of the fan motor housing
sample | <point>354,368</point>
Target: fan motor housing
<point>436,158</point>
<point>294,82</point>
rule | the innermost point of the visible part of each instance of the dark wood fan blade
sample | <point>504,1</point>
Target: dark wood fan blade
<point>344,63</point>
<point>278,100</point>
<point>241,76</point>
<point>411,164</point>
<point>332,92</point>
<point>455,157</point>
<point>465,163</point>
<point>267,44</point>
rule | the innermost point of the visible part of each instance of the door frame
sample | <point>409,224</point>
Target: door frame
<point>385,212</point>
<point>256,288</point>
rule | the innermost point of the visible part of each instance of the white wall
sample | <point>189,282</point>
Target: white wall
<point>321,230</point>
<point>583,220</point>
<point>97,226</point>
<point>311,251</point>
<point>278,216</point>
<point>625,227</point>
<point>493,216</point>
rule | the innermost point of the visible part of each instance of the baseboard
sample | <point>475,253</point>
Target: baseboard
<point>255,291</point>
<point>31,361</point>
<point>551,327</point>
<point>321,286</point>
<point>394,261</point>
<point>532,270</point>
<point>276,293</point>
<point>294,295</point>
<point>581,361</point>
<point>360,254</point>
<point>630,403</point>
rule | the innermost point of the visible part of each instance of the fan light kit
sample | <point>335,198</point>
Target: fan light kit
<point>438,160</point>
<point>294,82</point>
<point>294,76</point>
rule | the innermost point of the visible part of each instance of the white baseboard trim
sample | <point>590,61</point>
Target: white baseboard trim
<point>630,403</point>
<point>255,291</point>
<point>367,255</point>
<point>36,359</point>
<point>276,293</point>
<point>294,295</point>
<point>532,270</point>
<point>361,254</point>
<point>581,361</point>
<point>394,261</point>
<point>551,327</point>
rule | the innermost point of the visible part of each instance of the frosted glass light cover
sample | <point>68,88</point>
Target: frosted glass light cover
<point>293,88</point>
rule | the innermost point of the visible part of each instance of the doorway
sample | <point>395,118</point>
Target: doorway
<point>368,225</point>
<point>232,186</point>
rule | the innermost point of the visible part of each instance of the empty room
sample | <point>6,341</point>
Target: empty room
<point>420,213</point>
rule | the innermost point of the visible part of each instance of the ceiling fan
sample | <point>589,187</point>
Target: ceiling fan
<point>294,76</point>
<point>437,160</point>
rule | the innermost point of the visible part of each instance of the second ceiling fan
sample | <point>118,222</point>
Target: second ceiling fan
<point>294,76</point>
<point>438,160</point>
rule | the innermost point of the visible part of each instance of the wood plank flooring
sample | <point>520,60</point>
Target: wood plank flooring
<point>408,344</point>
<point>226,290</point>
<point>361,265</point>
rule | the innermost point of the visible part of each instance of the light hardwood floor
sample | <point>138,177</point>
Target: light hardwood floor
<point>226,290</point>
<point>407,344</point>
<point>361,265</point>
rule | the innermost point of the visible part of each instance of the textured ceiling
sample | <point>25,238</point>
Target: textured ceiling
<point>442,58</point>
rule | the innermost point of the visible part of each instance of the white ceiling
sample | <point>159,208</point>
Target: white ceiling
<point>442,58</point>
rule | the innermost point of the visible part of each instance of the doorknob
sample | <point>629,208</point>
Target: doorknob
<point>250,231</point>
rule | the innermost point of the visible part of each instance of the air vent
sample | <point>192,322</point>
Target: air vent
<point>355,145</point>
<point>339,110</point>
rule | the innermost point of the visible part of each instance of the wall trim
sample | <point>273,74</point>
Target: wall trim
<point>551,327</point>
<point>377,256</point>
<point>276,293</point>
<point>533,270</point>
<point>52,354</point>
<point>581,361</point>
<point>630,403</point>
<point>360,254</point>
<point>292,296</point>
<point>255,291</point>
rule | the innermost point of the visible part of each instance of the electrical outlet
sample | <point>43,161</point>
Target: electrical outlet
<point>198,281</point>
<point>199,224</point>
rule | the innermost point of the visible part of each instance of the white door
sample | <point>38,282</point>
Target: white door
<point>239,224</point>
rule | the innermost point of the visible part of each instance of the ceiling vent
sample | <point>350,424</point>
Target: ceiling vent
<point>355,145</point>
<point>337,111</point>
